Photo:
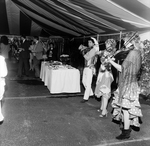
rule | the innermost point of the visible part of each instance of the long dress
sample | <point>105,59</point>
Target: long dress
<point>127,94</point>
<point>104,78</point>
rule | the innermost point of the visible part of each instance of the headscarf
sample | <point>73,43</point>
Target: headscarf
<point>111,43</point>
<point>95,43</point>
<point>96,46</point>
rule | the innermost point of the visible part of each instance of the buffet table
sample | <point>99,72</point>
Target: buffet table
<point>60,78</point>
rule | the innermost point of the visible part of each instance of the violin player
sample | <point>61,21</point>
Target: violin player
<point>89,54</point>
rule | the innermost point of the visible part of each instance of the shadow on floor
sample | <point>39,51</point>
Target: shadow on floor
<point>30,82</point>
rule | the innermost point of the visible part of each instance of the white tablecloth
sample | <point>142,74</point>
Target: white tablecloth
<point>61,80</point>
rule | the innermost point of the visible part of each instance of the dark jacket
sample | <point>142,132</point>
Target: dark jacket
<point>25,54</point>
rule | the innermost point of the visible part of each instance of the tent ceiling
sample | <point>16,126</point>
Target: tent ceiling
<point>71,18</point>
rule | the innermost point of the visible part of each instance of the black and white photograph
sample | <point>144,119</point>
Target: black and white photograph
<point>74,72</point>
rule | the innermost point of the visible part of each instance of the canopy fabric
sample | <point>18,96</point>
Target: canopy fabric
<point>73,18</point>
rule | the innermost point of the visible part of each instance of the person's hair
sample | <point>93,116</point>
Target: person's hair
<point>90,39</point>
<point>23,36</point>
<point>4,40</point>
<point>51,44</point>
<point>36,37</point>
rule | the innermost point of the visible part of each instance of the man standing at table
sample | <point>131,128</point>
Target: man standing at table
<point>24,55</point>
<point>89,69</point>
<point>37,55</point>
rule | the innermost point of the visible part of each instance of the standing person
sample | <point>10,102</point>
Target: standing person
<point>89,69</point>
<point>5,48</point>
<point>105,77</point>
<point>3,74</point>
<point>52,52</point>
<point>37,55</point>
<point>24,55</point>
<point>126,106</point>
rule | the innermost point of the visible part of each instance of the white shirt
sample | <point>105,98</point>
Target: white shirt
<point>3,68</point>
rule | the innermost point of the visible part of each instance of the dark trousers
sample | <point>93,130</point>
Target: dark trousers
<point>23,65</point>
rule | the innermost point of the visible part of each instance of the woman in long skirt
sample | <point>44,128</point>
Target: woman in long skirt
<point>105,77</point>
<point>126,101</point>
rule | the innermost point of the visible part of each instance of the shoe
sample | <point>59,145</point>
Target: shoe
<point>124,135</point>
<point>83,101</point>
<point>103,116</point>
<point>92,96</point>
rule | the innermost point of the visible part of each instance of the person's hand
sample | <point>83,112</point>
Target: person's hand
<point>21,49</point>
<point>109,59</point>
<point>98,52</point>
<point>113,59</point>
<point>44,56</point>
<point>80,47</point>
<point>31,68</point>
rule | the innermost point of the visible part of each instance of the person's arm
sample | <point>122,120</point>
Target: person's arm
<point>99,53</point>
<point>90,54</point>
<point>82,47</point>
<point>116,65</point>
<point>30,61</point>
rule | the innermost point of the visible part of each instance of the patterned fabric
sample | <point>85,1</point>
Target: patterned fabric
<point>144,81</point>
<point>127,95</point>
<point>104,64</point>
<point>130,70</point>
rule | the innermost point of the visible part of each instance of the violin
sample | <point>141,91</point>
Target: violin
<point>122,54</point>
<point>84,49</point>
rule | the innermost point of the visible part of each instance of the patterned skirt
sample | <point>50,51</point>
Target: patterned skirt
<point>130,102</point>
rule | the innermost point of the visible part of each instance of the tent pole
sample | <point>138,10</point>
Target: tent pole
<point>120,40</point>
<point>97,37</point>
